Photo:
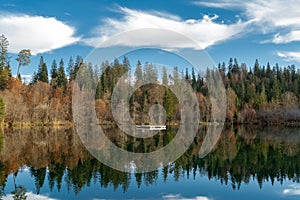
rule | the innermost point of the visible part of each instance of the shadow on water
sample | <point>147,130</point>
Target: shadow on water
<point>57,157</point>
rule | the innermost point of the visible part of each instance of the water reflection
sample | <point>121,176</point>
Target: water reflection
<point>54,158</point>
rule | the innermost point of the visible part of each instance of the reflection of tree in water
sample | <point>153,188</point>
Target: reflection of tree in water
<point>241,155</point>
<point>39,177</point>
<point>19,193</point>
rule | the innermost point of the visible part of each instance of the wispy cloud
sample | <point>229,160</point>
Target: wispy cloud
<point>285,38</point>
<point>224,4</point>
<point>205,31</point>
<point>9,5</point>
<point>289,55</point>
<point>40,34</point>
<point>292,190</point>
<point>267,14</point>
<point>180,197</point>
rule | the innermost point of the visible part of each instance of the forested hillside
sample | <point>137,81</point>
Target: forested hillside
<point>255,94</point>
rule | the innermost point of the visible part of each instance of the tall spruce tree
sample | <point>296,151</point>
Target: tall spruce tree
<point>61,76</point>
<point>42,74</point>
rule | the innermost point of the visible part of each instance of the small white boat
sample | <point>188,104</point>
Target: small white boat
<point>151,127</point>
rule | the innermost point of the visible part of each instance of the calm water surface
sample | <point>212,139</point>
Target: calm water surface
<point>246,163</point>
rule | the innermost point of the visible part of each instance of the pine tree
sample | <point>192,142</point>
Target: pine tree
<point>126,63</point>
<point>187,76</point>
<point>103,78</point>
<point>235,67</point>
<point>169,104</point>
<point>53,71</point>
<point>230,65</point>
<point>77,65</point>
<point>263,96</point>
<point>61,76</point>
<point>42,74</point>
<point>165,80</point>
<point>70,69</point>
<point>175,76</point>
<point>99,91</point>
<point>53,74</point>
<point>256,70</point>
<point>138,73</point>
<point>194,81</point>
<point>23,60</point>
<point>34,79</point>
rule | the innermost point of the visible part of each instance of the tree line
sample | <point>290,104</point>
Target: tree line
<point>256,94</point>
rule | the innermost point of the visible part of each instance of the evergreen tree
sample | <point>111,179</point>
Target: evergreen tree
<point>138,73</point>
<point>275,90</point>
<point>53,71</point>
<point>70,69</point>
<point>39,177</point>
<point>230,65</point>
<point>42,74</point>
<point>175,76</point>
<point>53,74</point>
<point>103,78</point>
<point>235,66</point>
<point>150,73</point>
<point>256,70</point>
<point>99,91</point>
<point>194,81</point>
<point>263,96</point>
<point>77,65</point>
<point>34,79</point>
<point>165,80</point>
<point>169,104</point>
<point>126,63</point>
<point>187,76</point>
<point>61,76</point>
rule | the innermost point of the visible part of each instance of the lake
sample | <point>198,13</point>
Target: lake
<point>246,163</point>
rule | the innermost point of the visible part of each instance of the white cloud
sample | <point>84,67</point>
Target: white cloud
<point>292,190</point>
<point>289,55</point>
<point>205,31</point>
<point>179,197</point>
<point>30,196</point>
<point>40,34</point>
<point>266,15</point>
<point>286,38</point>
<point>225,4</point>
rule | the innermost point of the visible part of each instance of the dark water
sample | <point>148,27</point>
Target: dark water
<point>246,163</point>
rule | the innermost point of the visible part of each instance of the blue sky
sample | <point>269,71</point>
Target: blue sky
<point>268,30</point>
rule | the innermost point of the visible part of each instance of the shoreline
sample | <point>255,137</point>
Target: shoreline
<point>69,124</point>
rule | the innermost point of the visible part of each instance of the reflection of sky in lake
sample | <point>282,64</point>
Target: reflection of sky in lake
<point>198,188</point>
<point>30,196</point>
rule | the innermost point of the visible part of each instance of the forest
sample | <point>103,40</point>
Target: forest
<point>258,94</point>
